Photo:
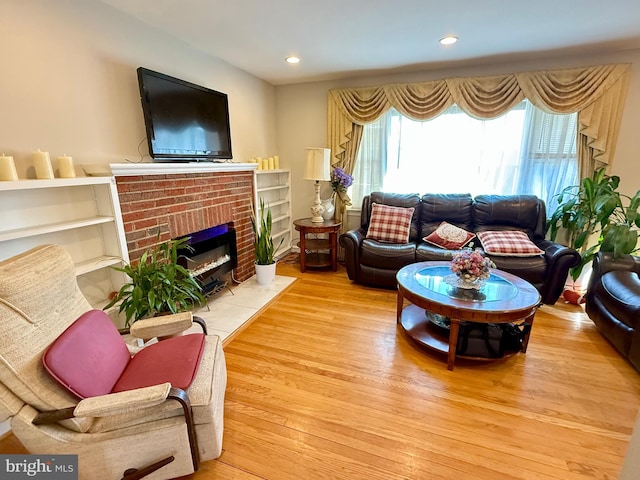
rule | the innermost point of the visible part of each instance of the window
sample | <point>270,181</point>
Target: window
<point>525,151</point>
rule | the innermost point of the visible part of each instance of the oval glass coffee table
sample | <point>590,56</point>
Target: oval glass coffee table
<point>427,286</point>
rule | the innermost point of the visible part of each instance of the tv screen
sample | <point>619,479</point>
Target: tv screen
<point>183,121</point>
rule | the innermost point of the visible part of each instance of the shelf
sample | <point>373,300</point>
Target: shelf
<point>276,187</point>
<point>266,172</point>
<point>278,202</point>
<point>80,214</point>
<point>54,183</point>
<point>94,264</point>
<point>52,228</point>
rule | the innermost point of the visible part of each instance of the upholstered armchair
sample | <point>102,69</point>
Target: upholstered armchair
<point>613,302</point>
<point>143,424</point>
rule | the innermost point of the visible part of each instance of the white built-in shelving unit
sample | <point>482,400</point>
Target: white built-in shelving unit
<point>274,187</point>
<point>80,214</point>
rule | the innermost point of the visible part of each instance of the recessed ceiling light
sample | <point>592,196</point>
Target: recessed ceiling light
<point>448,40</point>
<point>292,60</point>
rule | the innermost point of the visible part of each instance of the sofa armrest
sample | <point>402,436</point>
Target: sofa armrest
<point>560,259</point>
<point>351,242</point>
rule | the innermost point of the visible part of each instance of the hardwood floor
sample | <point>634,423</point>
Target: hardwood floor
<point>323,385</point>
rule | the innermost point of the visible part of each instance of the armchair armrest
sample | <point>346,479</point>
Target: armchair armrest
<point>162,326</point>
<point>121,402</point>
<point>351,242</point>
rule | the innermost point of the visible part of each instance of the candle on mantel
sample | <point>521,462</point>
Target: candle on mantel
<point>276,162</point>
<point>65,167</point>
<point>7,168</point>
<point>42,164</point>
<point>271,163</point>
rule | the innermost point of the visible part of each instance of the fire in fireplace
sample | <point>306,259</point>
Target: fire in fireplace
<point>210,255</point>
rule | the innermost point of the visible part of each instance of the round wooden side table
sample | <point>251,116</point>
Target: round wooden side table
<point>312,249</point>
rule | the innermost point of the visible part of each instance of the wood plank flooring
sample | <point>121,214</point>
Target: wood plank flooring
<point>323,385</point>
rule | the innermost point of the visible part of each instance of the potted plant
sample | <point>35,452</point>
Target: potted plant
<point>595,208</point>
<point>158,284</point>
<point>264,248</point>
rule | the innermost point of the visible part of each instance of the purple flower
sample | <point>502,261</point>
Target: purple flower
<point>340,180</point>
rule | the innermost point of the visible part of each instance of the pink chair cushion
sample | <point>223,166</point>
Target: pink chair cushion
<point>174,360</point>
<point>89,356</point>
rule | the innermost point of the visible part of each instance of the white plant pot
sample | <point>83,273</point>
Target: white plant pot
<point>265,274</point>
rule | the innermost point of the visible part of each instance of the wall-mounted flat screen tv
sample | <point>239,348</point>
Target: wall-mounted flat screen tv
<point>184,121</point>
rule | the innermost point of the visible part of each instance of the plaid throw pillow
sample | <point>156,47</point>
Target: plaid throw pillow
<point>449,236</point>
<point>390,224</point>
<point>508,243</point>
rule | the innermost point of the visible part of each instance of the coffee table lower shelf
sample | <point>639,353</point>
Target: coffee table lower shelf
<point>419,329</point>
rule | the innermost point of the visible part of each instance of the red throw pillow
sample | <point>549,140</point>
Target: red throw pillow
<point>89,356</point>
<point>508,243</point>
<point>449,236</point>
<point>390,224</point>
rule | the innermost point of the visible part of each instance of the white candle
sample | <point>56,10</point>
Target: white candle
<point>65,167</point>
<point>265,164</point>
<point>271,163</point>
<point>7,168</point>
<point>276,162</point>
<point>259,162</point>
<point>42,164</point>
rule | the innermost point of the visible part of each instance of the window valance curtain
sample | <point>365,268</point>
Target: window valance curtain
<point>596,93</point>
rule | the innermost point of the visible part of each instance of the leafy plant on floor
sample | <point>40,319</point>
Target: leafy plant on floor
<point>596,208</point>
<point>264,248</point>
<point>158,284</point>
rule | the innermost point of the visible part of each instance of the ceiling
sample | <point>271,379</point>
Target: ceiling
<point>346,38</point>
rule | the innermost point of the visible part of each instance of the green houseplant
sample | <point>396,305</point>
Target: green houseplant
<point>158,284</point>
<point>265,250</point>
<point>595,208</point>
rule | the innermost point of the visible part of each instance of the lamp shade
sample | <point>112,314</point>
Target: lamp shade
<point>318,164</point>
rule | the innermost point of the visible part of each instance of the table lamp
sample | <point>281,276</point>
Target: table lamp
<point>317,168</point>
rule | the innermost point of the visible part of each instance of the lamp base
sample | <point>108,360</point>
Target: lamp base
<point>316,214</point>
<point>317,209</point>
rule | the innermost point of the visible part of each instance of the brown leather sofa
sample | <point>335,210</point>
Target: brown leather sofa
<point>613,302</point>
<point>375,263</point>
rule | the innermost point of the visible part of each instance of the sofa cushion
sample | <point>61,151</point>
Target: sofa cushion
<point>508,243</point>
<point>510,212</point>
<point>449,236</point>
<point>455,209</point>
<point>390,224</point>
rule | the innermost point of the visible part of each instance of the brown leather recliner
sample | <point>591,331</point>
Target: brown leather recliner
<point>374,263</point>
<point>613,302</point>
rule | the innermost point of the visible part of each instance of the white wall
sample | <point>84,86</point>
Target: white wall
<point>301,115</point>
<point>68,84</point>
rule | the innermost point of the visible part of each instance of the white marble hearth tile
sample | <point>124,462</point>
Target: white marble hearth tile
<point>230,309</point>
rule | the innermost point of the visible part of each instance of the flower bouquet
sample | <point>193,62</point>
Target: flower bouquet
<point>471,268</point>
<point>340,182</point>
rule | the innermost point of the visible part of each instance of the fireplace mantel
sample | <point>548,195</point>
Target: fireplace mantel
<point>129,169</point>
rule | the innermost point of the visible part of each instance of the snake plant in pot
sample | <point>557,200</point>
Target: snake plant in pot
<point>158,284</point>
<point>265,250</point>
<point>596,217</point>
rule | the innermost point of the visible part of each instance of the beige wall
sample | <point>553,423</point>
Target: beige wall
<point>301,115</point>
<point>68,84</point>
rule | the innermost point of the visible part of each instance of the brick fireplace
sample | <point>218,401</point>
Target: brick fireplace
<point>174,200</point>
